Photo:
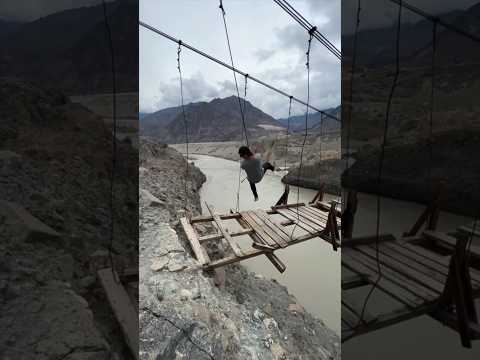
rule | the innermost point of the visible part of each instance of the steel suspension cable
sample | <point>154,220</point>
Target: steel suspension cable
<point>436,19</point>
<point>290,10</point>
<point>252,78</point>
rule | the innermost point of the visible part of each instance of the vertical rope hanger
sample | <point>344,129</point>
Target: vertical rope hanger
<point>222,9</point>
<point>432,106</point>
<point>114,142</point>
<point>242,114</point>
<point>185,123</point>
<point>307,64</point>
<point>352,76</point>
<point>239,168</point>
<point>381,161</point>
<point>288,130</point>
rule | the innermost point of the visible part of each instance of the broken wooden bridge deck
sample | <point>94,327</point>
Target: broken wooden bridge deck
<point>424,275</point>
<point>267,234</point>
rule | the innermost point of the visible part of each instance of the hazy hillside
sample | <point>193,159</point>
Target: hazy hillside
<point>217,120</point>
<point>71,51</point>
<point>297,123</point>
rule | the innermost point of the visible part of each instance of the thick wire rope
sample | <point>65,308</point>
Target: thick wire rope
<point>433,18</point>
<point>288,130</point>
<point>222,9</point>
<point>185,124</point>
<point>306,132</point>
<point>290,10</point>
<point>381,162</point>
<point>114,141</point>
<point>252,78</point>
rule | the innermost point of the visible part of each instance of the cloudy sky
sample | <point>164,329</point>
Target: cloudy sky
<point>266,43</point>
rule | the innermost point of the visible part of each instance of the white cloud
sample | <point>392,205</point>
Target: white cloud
<point>267,43</point>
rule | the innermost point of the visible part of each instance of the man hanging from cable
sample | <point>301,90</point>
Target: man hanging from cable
<point>252,164</point>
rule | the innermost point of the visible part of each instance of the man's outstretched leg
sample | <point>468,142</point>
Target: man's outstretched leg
<point>267,166</point>
<point>254,191</point>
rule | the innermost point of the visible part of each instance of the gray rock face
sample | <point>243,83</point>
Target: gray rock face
<point>27,227</point>
<point>54,213</point>
<point>183,315</point>
<point>62,325</point>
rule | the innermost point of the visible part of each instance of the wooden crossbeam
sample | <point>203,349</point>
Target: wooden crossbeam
<point>256,252</point>
<point>363,240</point>
<point>192,238</point>
<point>216,218</point>
<point>354,281</point>
<point>206,218</point>
<point>213,237</point>
<point>122,307</point>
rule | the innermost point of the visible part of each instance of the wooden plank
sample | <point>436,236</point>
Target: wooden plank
<point>408,270</point>
<point>324,215</point>
<point>306,219</point>
<point>321,223</point>
<point>193,240</point>
<point>420,263</point>
<point>122,307</point>
<point>406,278</point>
<point>319,213</point>
<point>262,246</point>
<point>354,281</point>
<point>279,265</point>
<point>287,215</point>
<point>397,286</point>
<point>212,237</point>
<point>301,220</point>
<point>267,228</point>
<point>450,241</point>
<point>326,206</point>
<point>439,259</point>
<point>352,302</point>
<point>287,206</point>
<point>281,233</point>
<point>256,252</point>
<point>468,230</point>
<point>235,248</point>
<point>349,317</point>
<point>387,319</point>
<point>363,240</point>
<point>247,216</point>
<point>206,218</point>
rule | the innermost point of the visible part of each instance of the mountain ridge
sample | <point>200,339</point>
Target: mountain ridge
<point>216,120</point>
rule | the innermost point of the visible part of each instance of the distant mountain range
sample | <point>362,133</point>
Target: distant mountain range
<point>297,123</point>
<point>377,46</point>
<point>217,120</point>
<point>68,50</point>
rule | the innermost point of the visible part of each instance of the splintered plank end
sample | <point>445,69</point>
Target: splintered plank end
<point>193,240</point>
<point>122,307</point>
